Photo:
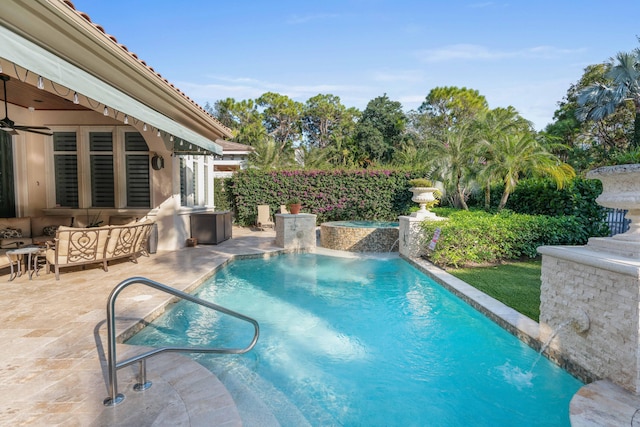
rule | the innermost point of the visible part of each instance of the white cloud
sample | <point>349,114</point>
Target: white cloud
<point>478,52</point>
<point>247,88</point>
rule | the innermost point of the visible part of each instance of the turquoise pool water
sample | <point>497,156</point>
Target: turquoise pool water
<point>364,342</point>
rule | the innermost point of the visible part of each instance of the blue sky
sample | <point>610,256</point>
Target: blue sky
<point>524,53</point>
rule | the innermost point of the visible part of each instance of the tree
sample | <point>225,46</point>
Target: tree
<point>452,161</point>
<point>243,118</point>
<point>491,126</point>
<point>267,156</point>
<point>380,130</point>
<point>514,154</point>
<point>321,118</point>
<point>282,119</point>
<point>447,107</point>
<point>602,99</point>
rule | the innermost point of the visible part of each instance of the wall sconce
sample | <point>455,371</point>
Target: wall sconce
<point>157,162</point>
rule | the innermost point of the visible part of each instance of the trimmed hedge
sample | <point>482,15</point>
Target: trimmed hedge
<point>331,195</point>
<point>471,238</point>
<point>541,197</point>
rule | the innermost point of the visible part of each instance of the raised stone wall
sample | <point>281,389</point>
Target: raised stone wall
<point>589,300</point>
<point>359,239</point>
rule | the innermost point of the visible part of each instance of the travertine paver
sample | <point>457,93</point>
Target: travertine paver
<point>52,369</point>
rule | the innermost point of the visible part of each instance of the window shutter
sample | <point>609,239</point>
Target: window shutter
<point>102,177</point>
<point>66,169</point>
<point>137,169</point>
<point>138,194</point>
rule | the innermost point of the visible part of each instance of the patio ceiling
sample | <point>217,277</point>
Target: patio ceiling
<point>25,96</point>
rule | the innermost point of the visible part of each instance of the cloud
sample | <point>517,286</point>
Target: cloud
<point>478,52</point>
<point>248,88</point>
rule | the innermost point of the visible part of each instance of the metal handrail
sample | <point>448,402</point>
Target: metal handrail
<point>113,366</point>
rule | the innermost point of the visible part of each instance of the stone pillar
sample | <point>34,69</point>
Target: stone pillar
<point>296,231</point>
<point>589,308</point>
<point>413,241</point>
<point>412,237</point>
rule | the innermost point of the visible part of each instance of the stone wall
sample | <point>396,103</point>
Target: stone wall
<point>359,239</point>
<point>589,308</point>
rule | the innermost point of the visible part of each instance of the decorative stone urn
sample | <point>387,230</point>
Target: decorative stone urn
<point>423,196</point>
<point>621,190</point>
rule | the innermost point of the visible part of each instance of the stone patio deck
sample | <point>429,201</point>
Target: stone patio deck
<point>53,335</point>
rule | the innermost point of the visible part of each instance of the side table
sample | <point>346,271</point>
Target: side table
<point>16,256</point>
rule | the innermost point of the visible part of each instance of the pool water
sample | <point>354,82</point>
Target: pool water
<point>364,342</point>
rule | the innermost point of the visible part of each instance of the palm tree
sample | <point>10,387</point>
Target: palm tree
<point>599,100</point>
<point>267,156</point>
<point>489,127</point>
<point>453,162</point>
<point>513,155</point>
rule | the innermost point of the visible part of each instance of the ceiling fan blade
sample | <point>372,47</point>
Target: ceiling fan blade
<point>10,131</point>
<point>22,127</point>
<point>35,131</point>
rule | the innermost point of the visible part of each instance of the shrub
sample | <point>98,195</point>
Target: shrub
<point>577,199</point>
<point>331,195</point>
<point>475,237</point>
<point>420,182</point>
<point>221,194</point>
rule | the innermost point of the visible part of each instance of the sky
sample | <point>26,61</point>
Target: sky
<point>520,53</point>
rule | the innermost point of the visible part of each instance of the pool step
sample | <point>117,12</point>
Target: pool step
<point>183,393</point>
<point>259,403</point>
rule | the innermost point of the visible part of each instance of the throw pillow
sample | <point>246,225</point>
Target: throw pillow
<point>50,230</point>
<point>10,233</point>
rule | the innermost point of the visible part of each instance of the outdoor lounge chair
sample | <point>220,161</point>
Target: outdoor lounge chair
<point>264,217</point>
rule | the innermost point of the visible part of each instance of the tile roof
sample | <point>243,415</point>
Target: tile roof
<point>232,146</point>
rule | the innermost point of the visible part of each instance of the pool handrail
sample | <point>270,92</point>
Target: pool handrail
<point>113,366</point>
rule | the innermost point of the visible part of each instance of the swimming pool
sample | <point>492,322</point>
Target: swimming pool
<point>364,341</point>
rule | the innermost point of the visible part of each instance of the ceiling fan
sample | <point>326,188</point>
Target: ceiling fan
<point>9,125</point>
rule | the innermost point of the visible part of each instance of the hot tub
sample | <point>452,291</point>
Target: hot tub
<point>360,236</point>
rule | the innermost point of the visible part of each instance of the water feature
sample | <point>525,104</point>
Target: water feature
<point>363,341</point>
<point>547,343</point>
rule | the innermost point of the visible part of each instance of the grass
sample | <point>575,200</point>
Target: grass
<point>516,284</point>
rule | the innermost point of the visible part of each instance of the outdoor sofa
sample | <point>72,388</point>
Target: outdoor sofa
<point>97,245</point>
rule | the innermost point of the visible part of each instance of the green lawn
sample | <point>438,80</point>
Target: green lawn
<point>516,284</point>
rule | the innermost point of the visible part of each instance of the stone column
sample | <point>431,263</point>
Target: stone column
<point>296,231</point>
<point>412,237</point>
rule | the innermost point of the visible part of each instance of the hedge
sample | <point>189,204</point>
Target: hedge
<point>331,195</point>
<point>471,238</point>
